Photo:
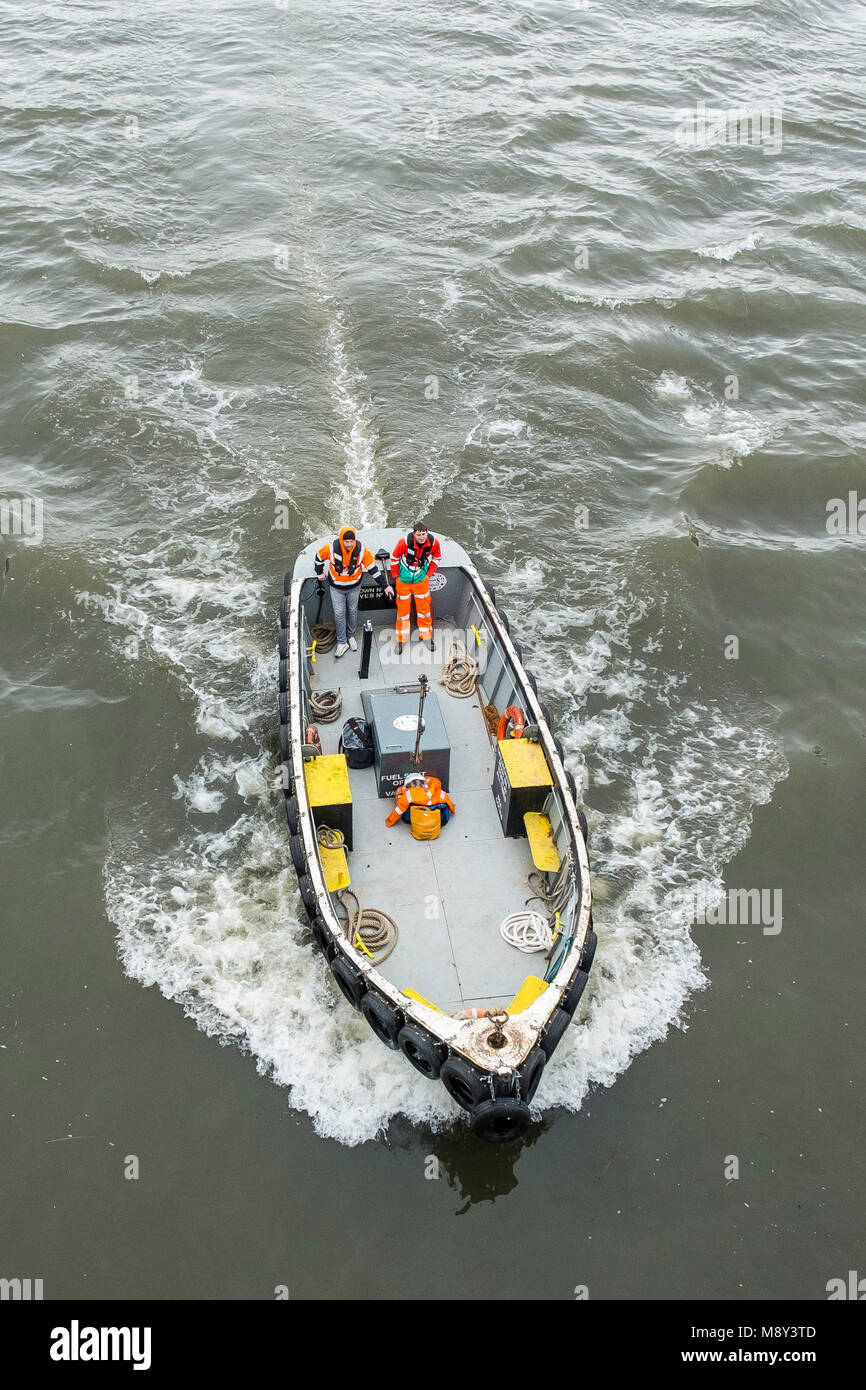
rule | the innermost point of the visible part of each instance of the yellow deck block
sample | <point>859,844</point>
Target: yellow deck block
<point>539,831</point>
<point>525,763</point>
<point>335,868</point>
<point>531,989</point>
<point>327,780</point>
<point>419,999</point>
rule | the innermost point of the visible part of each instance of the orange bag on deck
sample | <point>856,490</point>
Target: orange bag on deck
<point>425,824</point>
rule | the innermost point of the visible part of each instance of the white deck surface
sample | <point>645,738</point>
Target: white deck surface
<point>447,896</point>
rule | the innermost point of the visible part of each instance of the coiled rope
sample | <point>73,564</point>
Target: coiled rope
<point>459,674</point>
<point>557,895</point>
<point>325,636</point>
<point>372,928</point>
<point>326,705</point>
<point>330,839</point>
<point>528,931</point>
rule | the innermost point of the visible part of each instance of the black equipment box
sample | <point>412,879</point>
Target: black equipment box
<point>521,782</point>
<point>393,718</point>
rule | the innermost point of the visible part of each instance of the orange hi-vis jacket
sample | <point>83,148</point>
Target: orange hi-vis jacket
<point>431,794</point>
<point>346,563</point>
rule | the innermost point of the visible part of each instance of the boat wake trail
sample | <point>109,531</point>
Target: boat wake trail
<point>356,497</point>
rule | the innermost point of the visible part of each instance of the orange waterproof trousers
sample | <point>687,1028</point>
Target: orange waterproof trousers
<point>421,594</point>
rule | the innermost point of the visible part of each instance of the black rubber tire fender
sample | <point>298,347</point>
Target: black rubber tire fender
<point>350,980</point>
<point>284,675</point>
<point>425,1054</point>
<point>500,1121</point>
<point>530,1073</point>
<point>571,995</point>
<point>298,853</point>
<point>587,955</point>
<point>553,1033</point>
<point>532,682</point>
<point>572,787</point>
<point>287,779</point>
<point>284,611</point>
<point>504,619</point>
<point>308,896</point>
<point>323,938</point>
<point>383,1017</point>
<point>293,814</point>
<point>283,703</point>
<point>584,828</point>
<point>464,1083</point>
<point>287,582</point>
<point>545,714</point>
<point>491,591</point>
<point>284,644</point>
<point>284,741</point>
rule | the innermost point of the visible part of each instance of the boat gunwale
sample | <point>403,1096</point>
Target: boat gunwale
<point>459,1034</point>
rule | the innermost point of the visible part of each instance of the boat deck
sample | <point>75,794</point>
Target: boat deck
<point>447,896</point>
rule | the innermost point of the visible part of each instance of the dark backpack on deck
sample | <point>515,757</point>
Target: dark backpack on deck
<point>356,741</point>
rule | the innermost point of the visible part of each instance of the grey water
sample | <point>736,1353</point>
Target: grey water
<point>268,268</point>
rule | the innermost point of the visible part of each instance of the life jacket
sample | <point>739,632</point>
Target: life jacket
<point>345,569</point>
<point>413,565</point>
<point>350,565</point>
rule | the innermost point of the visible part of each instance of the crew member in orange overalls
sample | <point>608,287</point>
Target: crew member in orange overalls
<point>347,561</point>
<point>416,557</point>
<point>423,804</point>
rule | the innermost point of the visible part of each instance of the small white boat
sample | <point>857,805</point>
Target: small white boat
<point>468,952</point>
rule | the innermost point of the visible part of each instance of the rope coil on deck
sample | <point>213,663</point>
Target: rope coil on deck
<point>325,636</point>
<point>369,926</point>
<point>330,839</point>
<point>326,705</point>
<point>557,895</point>
<point>459,674</point>
<point>528,931</point>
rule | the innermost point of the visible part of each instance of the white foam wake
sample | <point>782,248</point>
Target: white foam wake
<point>726,432</point>
<point>727,250</point>
<point>357,499</point>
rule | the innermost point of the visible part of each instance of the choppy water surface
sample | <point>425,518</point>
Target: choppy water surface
<point>268,269</point>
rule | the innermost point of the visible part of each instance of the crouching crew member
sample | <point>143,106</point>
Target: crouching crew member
<point>423,804</point>
<point>347,561</point>
<point>414,560</point>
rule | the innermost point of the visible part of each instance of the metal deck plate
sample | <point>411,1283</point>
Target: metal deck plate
<point>447,896</point>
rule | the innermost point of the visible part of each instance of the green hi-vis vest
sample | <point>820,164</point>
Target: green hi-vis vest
<point>413,576</point>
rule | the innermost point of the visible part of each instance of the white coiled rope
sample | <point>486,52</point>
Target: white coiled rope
<point>528,931</point>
